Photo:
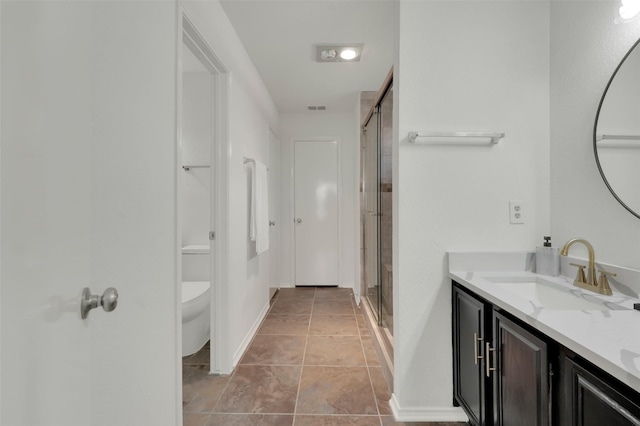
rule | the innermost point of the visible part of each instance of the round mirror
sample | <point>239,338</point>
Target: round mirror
<point>616,134</point>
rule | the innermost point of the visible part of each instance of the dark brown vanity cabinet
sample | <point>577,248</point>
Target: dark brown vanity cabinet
<point>501,370</point>
<point>469,331</point>
<point>508,374</point>
<point>520,379</point>
<point>589,398</point>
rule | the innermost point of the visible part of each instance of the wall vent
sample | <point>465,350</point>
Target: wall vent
<point>317,108</point>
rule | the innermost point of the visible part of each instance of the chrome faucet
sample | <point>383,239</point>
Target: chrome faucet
<point>600,286</point>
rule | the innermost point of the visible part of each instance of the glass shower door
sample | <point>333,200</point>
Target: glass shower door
<point>377,211</point>
<point>371,211</point>
<point>385,208</point>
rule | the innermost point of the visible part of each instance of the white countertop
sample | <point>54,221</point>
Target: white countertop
<point>608,336</point>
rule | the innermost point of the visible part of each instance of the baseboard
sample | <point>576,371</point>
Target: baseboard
<point>272,292</point>
<point>249,337</point>
<point>426,414</point>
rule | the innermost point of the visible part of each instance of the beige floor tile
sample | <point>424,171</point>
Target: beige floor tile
<point>201,390</point>
<point>334,350</point>
<point>297,292</point>
<point>193,419</point>
<point>333,325</point>
<point>203,356</point>
<point>286,324</point>
<point>335,390</point>
<point>337,420</point>
<point>333,293</point>
<point>333,307</point>
<point>340,383</point>
<point>362,325</point>
<point>291,306</point>
<point>380,390</point>
<point>260,389</point>
<point>275,349</point>
<point>370,352</point>
<point>250,420</point>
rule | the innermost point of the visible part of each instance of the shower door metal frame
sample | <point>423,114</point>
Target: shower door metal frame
<point>376,213</point>
<point>376,114</point>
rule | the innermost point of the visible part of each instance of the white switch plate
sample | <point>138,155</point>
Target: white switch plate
<point>516,212</point>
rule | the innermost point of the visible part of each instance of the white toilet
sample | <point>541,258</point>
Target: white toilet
<point>196,299</point>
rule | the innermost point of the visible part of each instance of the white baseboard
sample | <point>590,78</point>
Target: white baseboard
<point>426,414</point>
<point>247,339</point>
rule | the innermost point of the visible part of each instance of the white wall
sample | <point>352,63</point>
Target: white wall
<point>586,47</point>
<point>461,66</point>
<point>344,126</point>
<point>252,113</point>
<point>196,137</point>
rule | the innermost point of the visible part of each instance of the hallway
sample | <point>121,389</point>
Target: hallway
<point>312,362</point>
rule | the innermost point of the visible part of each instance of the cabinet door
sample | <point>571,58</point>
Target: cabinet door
<point>468,335</point>
<point>520,382</point>
<point>595,403</point>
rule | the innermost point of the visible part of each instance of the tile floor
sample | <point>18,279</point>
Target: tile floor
<point>312,362</point>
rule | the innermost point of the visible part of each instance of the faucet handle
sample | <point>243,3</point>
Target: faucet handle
<point>605,273</point>
<point>580,277</point>
<point>603,282</point>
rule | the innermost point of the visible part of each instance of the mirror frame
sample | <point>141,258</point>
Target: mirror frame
<point>595,128</point>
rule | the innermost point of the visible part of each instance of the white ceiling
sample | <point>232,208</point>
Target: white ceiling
<point>280,37</point>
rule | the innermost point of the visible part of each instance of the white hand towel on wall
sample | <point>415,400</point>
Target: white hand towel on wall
<point>259,230</point>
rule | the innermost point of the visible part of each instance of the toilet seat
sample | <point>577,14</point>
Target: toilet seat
<point>194,291</point>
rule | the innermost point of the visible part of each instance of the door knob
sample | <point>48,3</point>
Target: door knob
<point>108,301</point>
<point>298,220</point>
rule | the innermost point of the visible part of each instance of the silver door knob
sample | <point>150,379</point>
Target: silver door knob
<point>108,301</point>
<point>298,220</point>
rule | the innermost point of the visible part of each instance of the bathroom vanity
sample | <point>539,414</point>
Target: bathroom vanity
<point>535,350</point>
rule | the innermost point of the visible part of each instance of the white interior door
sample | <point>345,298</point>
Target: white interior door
<point>87,199</point>
<point>316,212</point>
<point>274,217</point>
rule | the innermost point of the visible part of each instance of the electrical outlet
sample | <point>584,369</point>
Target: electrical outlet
<point>516,212</point>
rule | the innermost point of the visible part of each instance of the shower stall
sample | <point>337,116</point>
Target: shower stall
<point>376,215</point>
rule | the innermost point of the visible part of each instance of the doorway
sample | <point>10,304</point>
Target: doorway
<point>204,166</point>
<point>315,224</point>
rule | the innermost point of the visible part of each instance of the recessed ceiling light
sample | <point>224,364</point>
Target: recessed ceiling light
<point>339,53</point>
<point>629,11</point>
<point>348,54</point>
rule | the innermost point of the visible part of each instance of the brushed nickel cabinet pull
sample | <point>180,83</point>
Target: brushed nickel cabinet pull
<point>489,349</point>
<point>476,339</point>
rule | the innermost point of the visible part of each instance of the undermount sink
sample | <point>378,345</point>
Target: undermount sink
<point>547,294</point>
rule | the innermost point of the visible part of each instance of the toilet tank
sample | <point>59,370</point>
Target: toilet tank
<point>196,263</point>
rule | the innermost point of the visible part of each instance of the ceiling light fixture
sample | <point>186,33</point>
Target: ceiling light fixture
<point>348,54</point>
<point>339,53</point>
<point>628,11</point>
<point>328,54</point>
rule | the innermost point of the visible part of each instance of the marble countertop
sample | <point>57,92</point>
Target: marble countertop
<point>604,330</point>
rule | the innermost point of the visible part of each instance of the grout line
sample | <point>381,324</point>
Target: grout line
<point>373,390</point>
<point>304,354</point>
<point>233,373</point>
<point>366,360</point>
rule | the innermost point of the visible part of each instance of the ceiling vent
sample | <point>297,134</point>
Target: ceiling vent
<point>317,108</point>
